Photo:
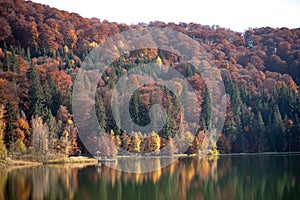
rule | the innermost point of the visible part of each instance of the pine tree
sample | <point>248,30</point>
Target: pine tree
<point>15,64</point>
<point>170,124</point>
<point>189,71</point>
<point>134,108</point>
<point>3,149</point>
<point>295,141</point>
<point>35,93</point>
<point>28,55</point>
<point>50,121</point>
<point>7,62</point>
<point>260,130</point>
<point>100,112</point>
<point>206,110</point>
<point>56,97</point>
<point>276,130</point>
<point>11,119</point>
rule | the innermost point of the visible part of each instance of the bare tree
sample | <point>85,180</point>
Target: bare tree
<point>40,133</point>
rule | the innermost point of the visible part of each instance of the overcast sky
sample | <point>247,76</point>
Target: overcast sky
<point>237,15</point>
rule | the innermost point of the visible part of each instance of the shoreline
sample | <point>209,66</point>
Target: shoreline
<point>9,162</point>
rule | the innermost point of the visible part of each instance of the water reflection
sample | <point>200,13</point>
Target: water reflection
<point>227,177</point>
<point>42,182</point>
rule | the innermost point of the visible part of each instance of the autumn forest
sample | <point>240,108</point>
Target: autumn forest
<point>42,49</point>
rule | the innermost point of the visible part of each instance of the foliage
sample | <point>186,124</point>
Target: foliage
<point>41,49</point>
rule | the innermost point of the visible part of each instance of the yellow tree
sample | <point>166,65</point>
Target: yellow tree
<point>3,149</point>
<point>72,38</point>
<point>18,146</point>
<point>154,143</point>
<point>136,142</point>
<point>24,127</point>
<point>158,60</point>
<point>126,142</point>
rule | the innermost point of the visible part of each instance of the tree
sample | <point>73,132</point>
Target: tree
<point>276,130</point>
<point>260,131</point>
<point>223,144</point>
<point>187,138</point>
<point>40,132</point>
<point>170,149</point>
<point>158,60</point>
<point>5,29</point>
<point>134,108</point>
<point>3,149</point>
<point>196,145</point>
<point>170,124</point>
<point>65,144</point>
<point>10,116</point>
<point>206,110</point>
<point>50,121</point>
<point>154,143</point>
<point>135,143</point>
<point>35,93</point>
<point>100,111</point>
<point>126,142</point>
<point>19,147</point>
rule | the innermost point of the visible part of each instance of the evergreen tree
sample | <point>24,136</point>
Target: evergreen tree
<point>52,96</point>
<point>100,111</point>
<point>276,130</point>
<point>138,111</point>
<point>134,108</point>
<point>260,131</point>
<point>28,55</point>
<point>50,121</point>
<point>295,141</point>
<point>189,71</point>
<point>35,93</point>
<point>3,149</point>
<point>206,110</point>
<point>11,119</point>
<point>15,67</point>
<point>7,62</point>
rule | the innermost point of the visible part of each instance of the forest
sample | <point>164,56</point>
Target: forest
<point>42,49</point>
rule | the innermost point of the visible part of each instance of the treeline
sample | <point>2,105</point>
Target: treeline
<point>35,104</point>
<point>261,121</point>
<point>41,49</point>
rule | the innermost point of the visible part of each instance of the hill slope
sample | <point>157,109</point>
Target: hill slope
<point>42,49</point>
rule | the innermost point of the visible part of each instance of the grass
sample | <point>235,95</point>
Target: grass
<point>72,159</point>
<point>31,160</point>
<point>11,162</point>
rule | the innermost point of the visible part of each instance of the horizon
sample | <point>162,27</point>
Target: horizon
<point>231,14</point>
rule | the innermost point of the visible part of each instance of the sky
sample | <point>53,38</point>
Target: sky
<point>238,15</point>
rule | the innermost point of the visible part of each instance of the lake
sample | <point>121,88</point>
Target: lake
<point>224,177</point>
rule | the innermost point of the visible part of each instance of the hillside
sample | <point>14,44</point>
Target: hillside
<point>42,48</point>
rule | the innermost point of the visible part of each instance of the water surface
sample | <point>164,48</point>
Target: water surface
<point>227,177</point>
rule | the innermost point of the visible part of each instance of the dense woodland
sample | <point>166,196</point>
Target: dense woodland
<point>41,49</point>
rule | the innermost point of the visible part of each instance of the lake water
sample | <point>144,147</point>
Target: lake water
<point>227,177</point>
